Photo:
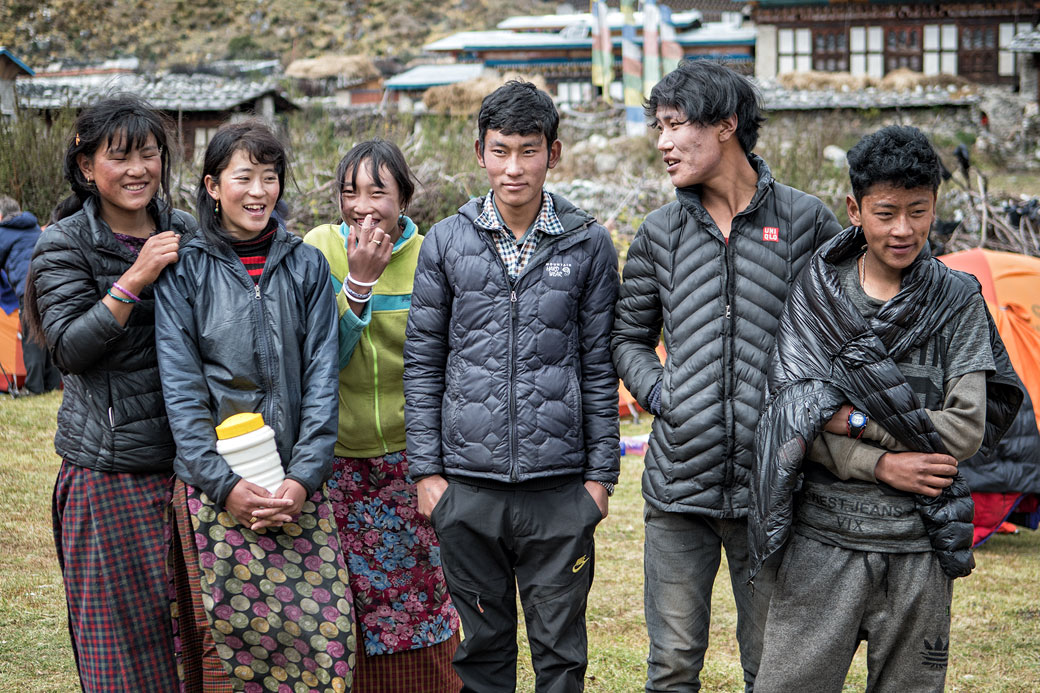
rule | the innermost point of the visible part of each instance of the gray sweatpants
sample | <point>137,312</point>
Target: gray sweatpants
<point>827,599</point>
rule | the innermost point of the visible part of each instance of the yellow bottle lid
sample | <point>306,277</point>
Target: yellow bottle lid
<point>239,424</point>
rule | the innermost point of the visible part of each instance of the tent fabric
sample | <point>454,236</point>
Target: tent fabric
<point>13,368</point>
<point>1009,479</point>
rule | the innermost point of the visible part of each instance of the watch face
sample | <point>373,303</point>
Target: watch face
<point>857,418</point>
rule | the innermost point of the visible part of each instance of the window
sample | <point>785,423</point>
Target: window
<point>830,50</point>
<point>903,48</point>
<point>1007,63</point>
<point>865,51</point>
<point>794,50</point>
<point>940,49</point>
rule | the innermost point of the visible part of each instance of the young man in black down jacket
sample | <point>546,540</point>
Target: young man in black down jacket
<point>711,269</point>
<point>888,366</point>
<point>511,401</point>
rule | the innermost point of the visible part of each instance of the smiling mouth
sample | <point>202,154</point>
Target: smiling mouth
<point>135,187</point>
<point>255,209</point>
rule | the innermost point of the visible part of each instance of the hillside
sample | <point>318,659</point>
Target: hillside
<point>188,32</point>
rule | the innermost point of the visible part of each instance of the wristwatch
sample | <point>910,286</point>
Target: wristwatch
<point>856,424</point>
<point>607,485</point>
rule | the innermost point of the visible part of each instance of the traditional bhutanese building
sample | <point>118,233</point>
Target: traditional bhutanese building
<point>970,39</point>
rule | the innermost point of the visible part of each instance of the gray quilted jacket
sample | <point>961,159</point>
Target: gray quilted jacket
<point>718,304</point>
<point>508,381</point>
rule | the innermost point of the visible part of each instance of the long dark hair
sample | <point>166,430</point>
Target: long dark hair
<point>122,120</point>
<point>252,136</point>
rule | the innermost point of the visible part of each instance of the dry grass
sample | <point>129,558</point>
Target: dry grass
<point>464,98</point>
<point>996,618</point>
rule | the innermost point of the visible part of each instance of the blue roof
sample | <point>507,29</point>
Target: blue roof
<point>11,56</point>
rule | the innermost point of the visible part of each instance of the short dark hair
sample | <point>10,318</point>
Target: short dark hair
<point>898,155</point>
<point>123,120</point>
<point>378,153</point>
<point>255,138</point>
<point>707,93</point>
<point>518,108</point>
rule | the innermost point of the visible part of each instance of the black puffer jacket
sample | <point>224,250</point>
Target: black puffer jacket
<point>828,354</point>
<point>1014,467</point>
<point>227,346</point>
<point>112,416</point>
<point>718,304</point>
<point>512,382</point>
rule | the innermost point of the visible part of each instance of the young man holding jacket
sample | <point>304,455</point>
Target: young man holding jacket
<point>511,401</point>
<point>711,269</point>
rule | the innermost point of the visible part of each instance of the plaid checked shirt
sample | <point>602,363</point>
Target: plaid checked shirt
<point>516,252</point>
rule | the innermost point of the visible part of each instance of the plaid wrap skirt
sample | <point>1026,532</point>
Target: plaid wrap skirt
<point>112,535</point>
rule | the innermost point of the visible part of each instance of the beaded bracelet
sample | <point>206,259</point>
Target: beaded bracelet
<point>126,293</point>
<point>119,298</point>
<point>354,295</point>
<point>351,279</point>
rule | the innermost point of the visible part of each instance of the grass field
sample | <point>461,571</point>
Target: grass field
<point>996,612</point>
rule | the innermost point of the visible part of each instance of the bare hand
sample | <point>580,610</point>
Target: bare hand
<point>599,494</point>
<point>159,251</point>
<point>368,253</point>
<point>839,423</point>
<point>254,506</point>
<point>916,472</point>
<point>430,490</point>
<point>293,490</point>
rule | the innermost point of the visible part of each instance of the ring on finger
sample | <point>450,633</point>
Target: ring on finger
<point>253,520</point>
<point>377,242</point>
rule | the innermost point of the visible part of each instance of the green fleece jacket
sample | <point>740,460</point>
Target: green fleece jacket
<point>371,347</point>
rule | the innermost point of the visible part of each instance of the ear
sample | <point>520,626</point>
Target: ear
<point>555,149</point>
<point>212,186</point>
<point>853,209</point>
<point>728,127</point>
<point>86,165</point>
<point>480,154</point>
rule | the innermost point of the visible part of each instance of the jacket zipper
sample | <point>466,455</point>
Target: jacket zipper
<point>375,390</point>
<point>514,452</point>
<point>727,388</point>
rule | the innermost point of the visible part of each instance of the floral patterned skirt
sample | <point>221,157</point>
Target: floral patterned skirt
<point>400,597</point>
<point>278,600</point>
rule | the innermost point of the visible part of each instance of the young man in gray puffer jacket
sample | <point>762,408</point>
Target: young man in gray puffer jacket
<point>511,401</point>
<point>711,270</point>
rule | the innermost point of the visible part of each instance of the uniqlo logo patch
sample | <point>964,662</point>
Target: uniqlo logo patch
<point>771,233</point>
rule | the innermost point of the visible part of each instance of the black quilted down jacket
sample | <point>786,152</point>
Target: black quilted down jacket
<point>718,305</point>
<point>112,417</point>
<point>512,381</point>
<point>1014,467</point>
<point>828,354</point>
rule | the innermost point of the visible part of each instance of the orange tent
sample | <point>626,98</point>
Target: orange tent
<point>10,352</point>
<point>1011,286</point>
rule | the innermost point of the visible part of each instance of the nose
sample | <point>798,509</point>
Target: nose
<point>513,167</point>
<point>135,165</point>
<point>664,142</point>
<point>903,225</point>
<point>256,187</point>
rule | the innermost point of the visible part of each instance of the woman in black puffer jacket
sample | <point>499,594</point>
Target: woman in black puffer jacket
<point>90,295</point>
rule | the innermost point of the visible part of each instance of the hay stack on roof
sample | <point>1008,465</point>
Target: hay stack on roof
<point>353,68</point>
<point>813,80</point>
<point>463,98</point>
<point>903,79</point>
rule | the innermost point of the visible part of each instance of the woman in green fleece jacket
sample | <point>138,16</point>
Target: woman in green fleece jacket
<point>406,618</point>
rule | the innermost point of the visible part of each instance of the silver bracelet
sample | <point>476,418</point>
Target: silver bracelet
<point>351,279</point>
<point>355,296</point>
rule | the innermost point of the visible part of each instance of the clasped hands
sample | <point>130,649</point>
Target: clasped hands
<point>257,508</point>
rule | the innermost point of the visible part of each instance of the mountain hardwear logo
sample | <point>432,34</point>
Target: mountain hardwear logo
<point>580,563</point>
<point>936,654</point>
<point>558,269</point>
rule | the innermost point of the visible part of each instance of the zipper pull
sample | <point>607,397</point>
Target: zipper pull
<point>111,418</point>
<point>256,289</point>
<point>512,296</point>
<point>727,311</point>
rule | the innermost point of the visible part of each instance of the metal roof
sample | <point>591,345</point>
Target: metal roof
<point>170,92</point>
<point>426,76</point>
<point>11,56</point>
<point>1026,42</point>
<point>615,20</point>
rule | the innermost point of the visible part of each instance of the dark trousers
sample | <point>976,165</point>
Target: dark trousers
<point>40,373</point>
<point>496,541</point>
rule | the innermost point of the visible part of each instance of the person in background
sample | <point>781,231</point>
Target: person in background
<point>408,625</point>
<point>19,232</point>
<point>511,401</point>
<point>710,272</point>
<point>90,298</point>
<point>247,324</point>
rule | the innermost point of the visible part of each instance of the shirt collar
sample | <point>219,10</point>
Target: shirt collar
<point>547,222</point>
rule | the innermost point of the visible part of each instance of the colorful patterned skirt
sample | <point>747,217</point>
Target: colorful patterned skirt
<point>408,624</point>
<point>112,534</point>
<point>277,600</point>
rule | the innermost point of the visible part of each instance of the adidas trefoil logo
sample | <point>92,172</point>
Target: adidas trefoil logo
<point>936,654</point>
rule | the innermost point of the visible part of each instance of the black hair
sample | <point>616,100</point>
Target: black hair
<point>898,155</point>
<point>379,153</point>
<point>124,121</point>
<point>256,139</point>
<point>707,93</point>
<point>518,108</point>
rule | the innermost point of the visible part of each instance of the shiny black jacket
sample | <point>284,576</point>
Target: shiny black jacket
<point>112,417</point>
<point>828,354</point>
<point>228,346</point>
